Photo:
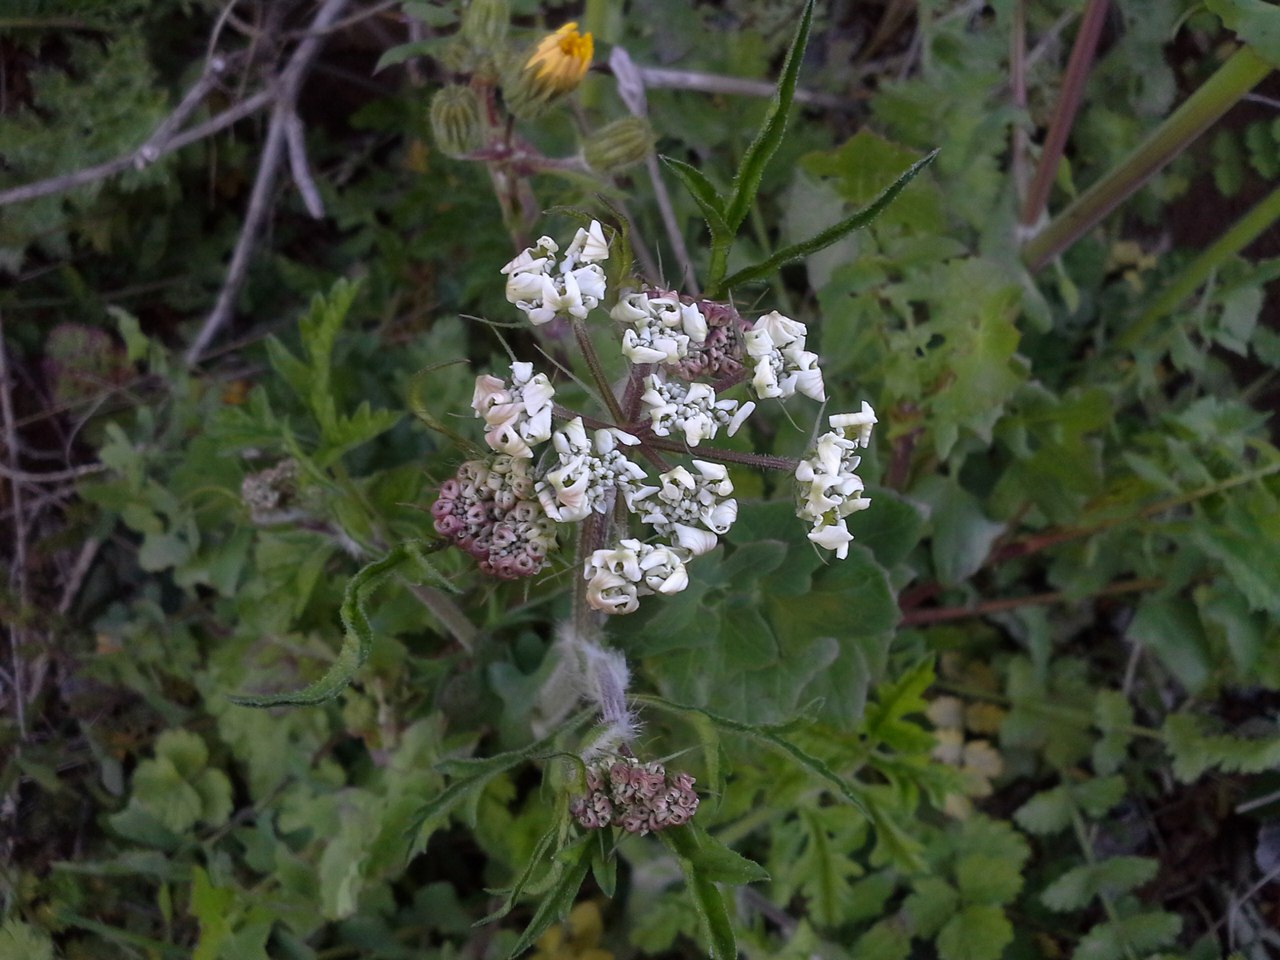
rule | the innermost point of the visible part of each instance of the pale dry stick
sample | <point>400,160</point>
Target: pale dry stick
<point>150,151</point>
<point>18,572</point>
<point>14,475</point>
<point>288,85</point>
<point>79,570</point>
<point>665,77</point>
<point>87,175</point>
<point>296,138</point>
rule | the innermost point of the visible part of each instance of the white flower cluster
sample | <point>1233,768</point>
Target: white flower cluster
<point>587,474</point>
<point>617,578</point>
<point>674,340</point>
<point>693,510</point>
<point>515,416</point>
<point>783,366</point>
<point>545,289</point>
<point>661,327</point>
<point>827,488</point>
<point>691,408</point>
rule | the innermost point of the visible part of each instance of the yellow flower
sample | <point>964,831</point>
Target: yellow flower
<point>560,61</point>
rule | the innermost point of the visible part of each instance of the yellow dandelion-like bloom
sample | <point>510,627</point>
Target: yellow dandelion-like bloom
<point>560,61</point>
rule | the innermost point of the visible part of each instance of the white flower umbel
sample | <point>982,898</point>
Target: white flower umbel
<point>827,489</point>
<point>661,327</point>
<point>587,474</point>
<point>617,578</point>
<point>515,415</point>
<point>691,509</point>
<point>691,408</point>
<point>782,366</point>
<point>544,289</point>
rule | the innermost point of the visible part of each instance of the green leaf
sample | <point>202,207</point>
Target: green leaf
<point>556,903</point>
<point>713,915</point>
<point>1257,22</point>
<point>769,137</point>
<point>884,941</point>
<point>1138,934</point>
<point>1106,878</point>
<point>1170,628</point>
<point>358,631</point>
<point>932,902</point>
<point>185,750</point>
<point>22,941</point>
<point>962,534</point>
<point>717,862</point>
<point>987,879</point>
<point>978,932</point>
<point>766,268</point>
<point>538,858</point>
<point>1195,751</point>
<point>1047,812</point>
<point>771,737</point>
<point>704,195</point>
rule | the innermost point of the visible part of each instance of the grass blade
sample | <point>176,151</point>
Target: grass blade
<point>704,194</point>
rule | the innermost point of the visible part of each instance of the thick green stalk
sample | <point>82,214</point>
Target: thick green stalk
<point>1218,94</point>
<point>1242,233</point>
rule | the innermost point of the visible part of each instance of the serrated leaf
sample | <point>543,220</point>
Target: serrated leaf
<point>536,859</point>
<point>769,137</point>
<point>884,941</point>
<point>986,879</point>
<point>1139,934</point>
<point>932,902</point>
<point>833,234</point>
<point>978,932</point>
<point>358,631</point>
<point>1076,888</point>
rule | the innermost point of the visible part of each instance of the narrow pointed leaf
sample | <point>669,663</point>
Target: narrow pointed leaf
<point>707,898</point>
<point>820,241</point>
<point>357,630</point>
<point>762,148</point>
<point>556,903</point>
<point>704,195</point>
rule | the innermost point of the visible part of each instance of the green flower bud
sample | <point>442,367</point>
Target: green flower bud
<point>455,120</point>
<point>618,145</point>
<point>484,24</point>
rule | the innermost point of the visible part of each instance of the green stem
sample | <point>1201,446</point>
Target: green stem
<point>1242,233</point>
<point>1218,94</point>
<point>597,371</point>
<point>716,267</point>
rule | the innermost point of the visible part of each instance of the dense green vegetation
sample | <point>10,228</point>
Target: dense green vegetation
<point>252,704</point>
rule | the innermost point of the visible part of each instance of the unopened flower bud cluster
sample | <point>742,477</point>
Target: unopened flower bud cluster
<point>488,509</point>
<point>638,797</point>
<point>678,343</point>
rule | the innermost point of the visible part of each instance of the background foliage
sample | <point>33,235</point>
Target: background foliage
<point>1033,714</point>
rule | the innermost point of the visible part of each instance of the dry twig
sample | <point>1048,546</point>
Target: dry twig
<point>287,88</point>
